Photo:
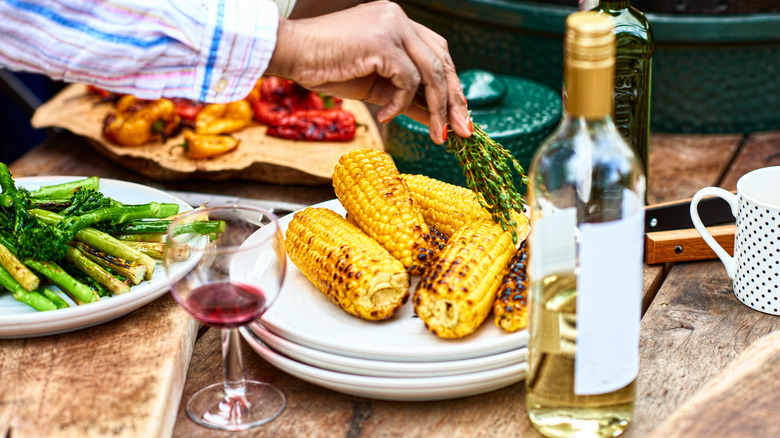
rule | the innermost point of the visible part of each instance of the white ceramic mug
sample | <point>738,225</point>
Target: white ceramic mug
<point>755,266</point>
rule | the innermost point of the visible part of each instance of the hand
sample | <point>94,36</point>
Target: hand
<point>375,53</point>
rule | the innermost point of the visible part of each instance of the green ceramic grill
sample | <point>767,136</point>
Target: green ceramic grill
<point>711,73</point>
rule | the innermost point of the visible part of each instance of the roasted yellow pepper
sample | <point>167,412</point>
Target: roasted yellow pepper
<point>218,118</point>
<point>199,146</point>
<point>136,121</point>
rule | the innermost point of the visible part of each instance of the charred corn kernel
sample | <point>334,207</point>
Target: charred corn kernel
<point>223,118</point>
<point>456,293</point>
<point>510,308</point>
<point>447,206</point>
<point>353,270</point>
<point>376,198</point>
<point>199,146</point>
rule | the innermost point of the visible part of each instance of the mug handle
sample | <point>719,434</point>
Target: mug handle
<point>733,200</point>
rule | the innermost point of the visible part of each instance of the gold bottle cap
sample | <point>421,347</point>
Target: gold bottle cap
<point>589,64</point>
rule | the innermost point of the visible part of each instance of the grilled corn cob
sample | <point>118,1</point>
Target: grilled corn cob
<point>510,308</point>
<point>448,207</point>
<point>456,294</point>
<point>350,268</point>
<point>376,198</point>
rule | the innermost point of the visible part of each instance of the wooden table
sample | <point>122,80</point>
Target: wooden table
<point>706,367</point>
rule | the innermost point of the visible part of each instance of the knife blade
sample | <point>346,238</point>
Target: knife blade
<point>279,208</point>
<point>676,215</point>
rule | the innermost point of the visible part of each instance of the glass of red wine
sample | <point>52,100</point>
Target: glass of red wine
<point>235,275</point>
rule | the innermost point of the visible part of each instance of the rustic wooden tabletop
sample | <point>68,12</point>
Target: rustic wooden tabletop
<point>707,366</point>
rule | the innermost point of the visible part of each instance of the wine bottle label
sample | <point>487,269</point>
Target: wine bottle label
<point>609,301</point>
<point>553,242</point>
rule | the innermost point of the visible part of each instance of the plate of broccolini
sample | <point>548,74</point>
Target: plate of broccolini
<point>61,237</point>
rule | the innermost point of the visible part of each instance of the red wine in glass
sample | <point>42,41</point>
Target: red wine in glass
<point>227,280</point>
<point>225,304</point>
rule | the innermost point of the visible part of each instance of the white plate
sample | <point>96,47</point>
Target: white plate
<point>367,367</point>
<point>18,320</point>
<point>305,316</point>
<point>393,388</point>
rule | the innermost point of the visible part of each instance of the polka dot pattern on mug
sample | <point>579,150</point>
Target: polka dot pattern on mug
<point>757,257</point>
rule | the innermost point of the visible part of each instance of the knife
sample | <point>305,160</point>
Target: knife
<point>671,237</point>
<point>676,215</point>
<point>279,208</point>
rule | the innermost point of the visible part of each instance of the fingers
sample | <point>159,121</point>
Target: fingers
<point>403,79</point>
<point>456,110</point>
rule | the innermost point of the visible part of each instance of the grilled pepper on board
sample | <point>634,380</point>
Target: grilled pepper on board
<point>136,121</point>
<point>219,118</point>
<point>350,268</point>
<point>199,146</point>
<point>316,125</point>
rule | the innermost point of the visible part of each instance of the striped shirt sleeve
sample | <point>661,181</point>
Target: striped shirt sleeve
<point>207,50</point>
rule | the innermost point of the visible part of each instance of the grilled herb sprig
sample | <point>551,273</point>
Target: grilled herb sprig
<point>489,170</point>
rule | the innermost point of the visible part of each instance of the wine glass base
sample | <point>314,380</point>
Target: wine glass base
<point>259,404</point>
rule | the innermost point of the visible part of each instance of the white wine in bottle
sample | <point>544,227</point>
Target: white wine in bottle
<point>586,194</point>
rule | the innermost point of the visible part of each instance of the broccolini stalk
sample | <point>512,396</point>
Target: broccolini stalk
<point>32,299</point>
<point>65,190</point>
<point>119,214</point>
<point>153,237</point>
<point>103,242</point>
<point>161,226</point>
<point>54,298</point>
<point>153,249</point>
<point>49,204</point>
<point>16,268</point>
<point>102,276</point>
<point>79,292</point>
<point>134,271</point>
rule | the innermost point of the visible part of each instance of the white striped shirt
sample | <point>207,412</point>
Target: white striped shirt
<point>207,50</point>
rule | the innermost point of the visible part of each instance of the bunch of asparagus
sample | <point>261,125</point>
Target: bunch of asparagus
<point>86,244</point>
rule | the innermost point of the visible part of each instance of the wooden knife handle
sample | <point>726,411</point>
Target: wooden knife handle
<point>686,245</point>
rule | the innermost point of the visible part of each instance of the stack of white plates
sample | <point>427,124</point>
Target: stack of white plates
<point>307,336</point>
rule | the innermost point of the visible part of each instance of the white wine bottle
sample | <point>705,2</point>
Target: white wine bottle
<point>586,193</point>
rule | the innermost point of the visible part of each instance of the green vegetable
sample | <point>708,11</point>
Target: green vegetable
<point>161,226</point>
<point>65,190</point>
<point>54,224</point>
<point>488,169</point>
<point>32,299</point>
<point>486,165</point>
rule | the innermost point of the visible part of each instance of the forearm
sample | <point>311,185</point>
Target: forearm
<point>313,8</point>
<point>210,50</point>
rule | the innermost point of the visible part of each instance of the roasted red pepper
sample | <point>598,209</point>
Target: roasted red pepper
<point>105,95</point>
<point>187,109</point>
<point>316,125</point>
<point>278,97</point>
<point>269,113</point>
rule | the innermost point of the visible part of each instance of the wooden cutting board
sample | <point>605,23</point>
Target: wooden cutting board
<point>741,401</point>
<point>258,158</point>
<point>123,378</point>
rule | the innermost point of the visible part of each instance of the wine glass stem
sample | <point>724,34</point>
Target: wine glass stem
<point>231,362</point>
